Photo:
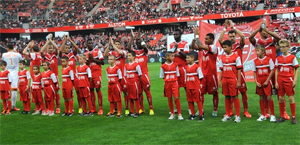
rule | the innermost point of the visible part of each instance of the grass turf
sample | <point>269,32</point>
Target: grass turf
<point>157,129</point>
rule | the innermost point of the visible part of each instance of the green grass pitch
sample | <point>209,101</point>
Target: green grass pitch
<point>157,129</point>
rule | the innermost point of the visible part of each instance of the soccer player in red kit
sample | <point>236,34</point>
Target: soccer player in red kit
<point>114,76</point>
<point>230,80</point>
<point>36,87</point>
<point>5,81</point>
<point>67,86</point>
<point>52,57</point>
<point>170,73</point>
<point>133,74</point>
<point>84,77</point>
<point>50,84</point>
<point>237,47</point>
<point>35,56</point>
<point>65,50</point>
<point>120,56</point>
<point>142,59</point>
<point>209,67</point>
<point>95,60</point>
<point>268,40</point>
<point>23,87</point>
<point>263,68</point>
<point>193,90</point>
<point>286,75</point>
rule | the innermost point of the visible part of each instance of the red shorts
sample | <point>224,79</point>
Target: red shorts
<point>5,95</point>
<point>96,82</point>
<point>84,92</point>
<point>24,95</point>
<point>49,93</point>
<point>171,89</point>
<point>145,79</point>
<point>114,93</point>
<point>134,90</point>
<point>209,84</point>
<point>76,83</point>
<point>123,84</point>
<point>193,95</point>
<point>243,87</point>
<point>286,86</point>
<point>37,96</point>
<point>67,93</point>
<point>182,77</point>
<point>229,87</point>
<point>263,91</point>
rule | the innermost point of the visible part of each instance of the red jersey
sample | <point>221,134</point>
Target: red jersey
<point>36,59</point>
<point>269,45</point>
<point>286,65</point>
<point>169,72</point>
<point>132,72</point>
<point>263,66</point>
<point>229,65</point>
<point>183,46</point>
<point>5,79</point>
<point>83,73</point>
<point>36,83</point>
<point>53,60</point>
<point>237,48</point>
<point>48,78</point>
<point>95,68</point>
<point>23,77</point>
<point>142,58</point>
<point>113,74</point>
<point>72,61</point>
<point>67,78</point>
<point>120,59</point>
<point>209,60</point>
<point>193,76</point>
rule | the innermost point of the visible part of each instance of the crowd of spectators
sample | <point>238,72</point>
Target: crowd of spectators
<point>287,28</point>
<point>71,13</point>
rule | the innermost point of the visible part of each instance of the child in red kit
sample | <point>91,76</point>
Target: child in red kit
<point>24,83</point>
<point>5,81</point>
<point>36,87</point>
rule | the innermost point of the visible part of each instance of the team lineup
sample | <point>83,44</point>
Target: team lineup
<point>272,75</point>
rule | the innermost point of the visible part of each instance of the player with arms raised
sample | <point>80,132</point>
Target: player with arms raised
<point>12,59</point>
<point>237,47</point>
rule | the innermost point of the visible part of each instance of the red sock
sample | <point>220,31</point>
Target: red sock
<point>281,108</point>
<point>266,103</point>
<point>90,104</point>
<point>79,100</point>
<point>284,103</point>
<point>57,100</point>
<point>100,99</point>
<point>71,105</point>
<point>200,108</point>
<point>231,106</point>
<point>293,109</point>
<point>227,106</point>
<point>216,101</point>
<point>137,105</point>
<point>9,105</point>
<point>36,106</point>
<point>48,105</point>
<point>24,106</point>
<point>116,105</point>
<point>271,106</point>
<point>28,105</point>
<point>171,106</point>
<point>111,105</point>
<point>178,106</point>
<point>126,99</point>
<point>262,107</point>
<point>66,106</point>
<point>120,106</point>
<point>237,107</point>
<point>141,101</point>
<point>192,107</point>
<point>52,105</point>
<point>93,100</point>
<point>131,105</point>
<point>41,105</point>
<point>149,98</point>
<point>84,105</point>
<point>4,105</point>
<point>245,101</point>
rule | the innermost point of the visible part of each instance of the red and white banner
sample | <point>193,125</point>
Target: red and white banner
<point>21,14</point>
<point>248,51</point>
<point>102,9</point>
<point>156,21</point>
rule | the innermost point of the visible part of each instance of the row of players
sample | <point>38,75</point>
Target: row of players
<point>181,48</point>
